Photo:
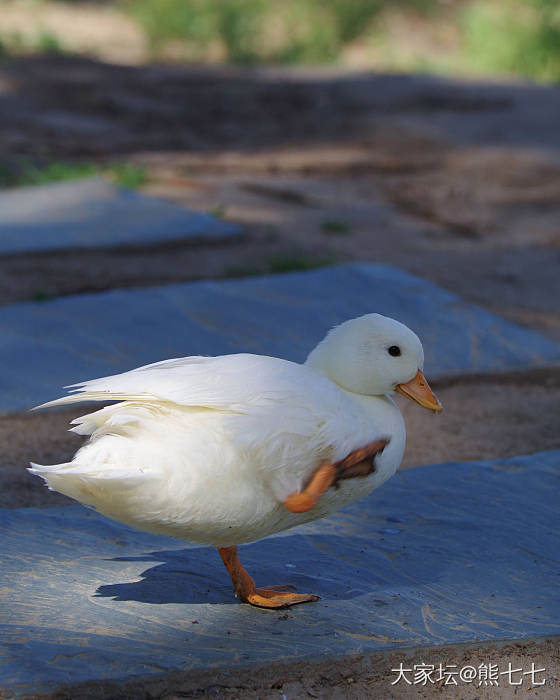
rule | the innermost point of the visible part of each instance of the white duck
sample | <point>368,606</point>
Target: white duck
<point>226,450</point>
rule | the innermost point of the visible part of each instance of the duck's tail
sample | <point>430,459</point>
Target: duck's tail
<point>64,479</point>
<point>43,470</point>
<point>84,484</point>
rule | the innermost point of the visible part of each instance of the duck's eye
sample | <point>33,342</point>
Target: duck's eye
<point>394,350</point>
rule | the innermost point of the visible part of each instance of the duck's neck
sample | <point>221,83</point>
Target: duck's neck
<point>318,359</point>
<point>321,361</point>
<point>368,399</point>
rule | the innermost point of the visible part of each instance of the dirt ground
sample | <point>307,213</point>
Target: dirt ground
<point>362,678</point>
<point>457,183</point>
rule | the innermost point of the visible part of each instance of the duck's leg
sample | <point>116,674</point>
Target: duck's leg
<point>357,463</point>
<point>267,597</point>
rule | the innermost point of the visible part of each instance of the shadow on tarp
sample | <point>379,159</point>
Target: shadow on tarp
<point>334,567</point>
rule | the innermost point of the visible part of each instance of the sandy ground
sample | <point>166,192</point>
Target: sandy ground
<point>317,170</point>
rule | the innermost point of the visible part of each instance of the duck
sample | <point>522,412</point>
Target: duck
<point>227,450</point>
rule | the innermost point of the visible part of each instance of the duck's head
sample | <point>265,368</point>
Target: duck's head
<point>375,355</point>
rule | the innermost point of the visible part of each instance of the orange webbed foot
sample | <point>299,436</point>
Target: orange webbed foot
<point>273,597</point>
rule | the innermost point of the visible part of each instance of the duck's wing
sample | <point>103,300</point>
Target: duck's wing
<point>227,383</point>
<point>274,398</point>
<point>281,419</point>
<point>190,381</point>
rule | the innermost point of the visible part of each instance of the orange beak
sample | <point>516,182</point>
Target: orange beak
<point>419,390</point>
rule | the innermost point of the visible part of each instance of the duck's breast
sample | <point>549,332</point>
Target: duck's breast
<point>378,418</point>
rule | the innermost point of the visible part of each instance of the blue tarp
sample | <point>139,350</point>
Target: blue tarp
<point>442,554</point>
<point>93,213</point>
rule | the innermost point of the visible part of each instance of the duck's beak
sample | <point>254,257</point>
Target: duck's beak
<point>419,390</point>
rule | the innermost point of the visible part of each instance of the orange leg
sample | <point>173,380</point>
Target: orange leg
<point>357,463</point>
<point>267,597</point>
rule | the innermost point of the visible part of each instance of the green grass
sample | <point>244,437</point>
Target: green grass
<point>242,271</point>
<point>282,262</point>
<point>297,261</point>
<point>41,295</point>
<point>123,174</point>
<point>335,227</point>
<point>219,211</point>
<point>128,175</point>
<point>57,171</point>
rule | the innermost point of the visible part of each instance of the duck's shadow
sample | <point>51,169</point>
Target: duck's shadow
<point>333,567</point>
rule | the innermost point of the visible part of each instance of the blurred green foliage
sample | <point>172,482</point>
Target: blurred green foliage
<point>14,43</point>
<point>514,36</point>
<point>496,37</point>
<point>199,23</point>
<point>48,43</point>
<point>250,31</point>
<point>517,37</point>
